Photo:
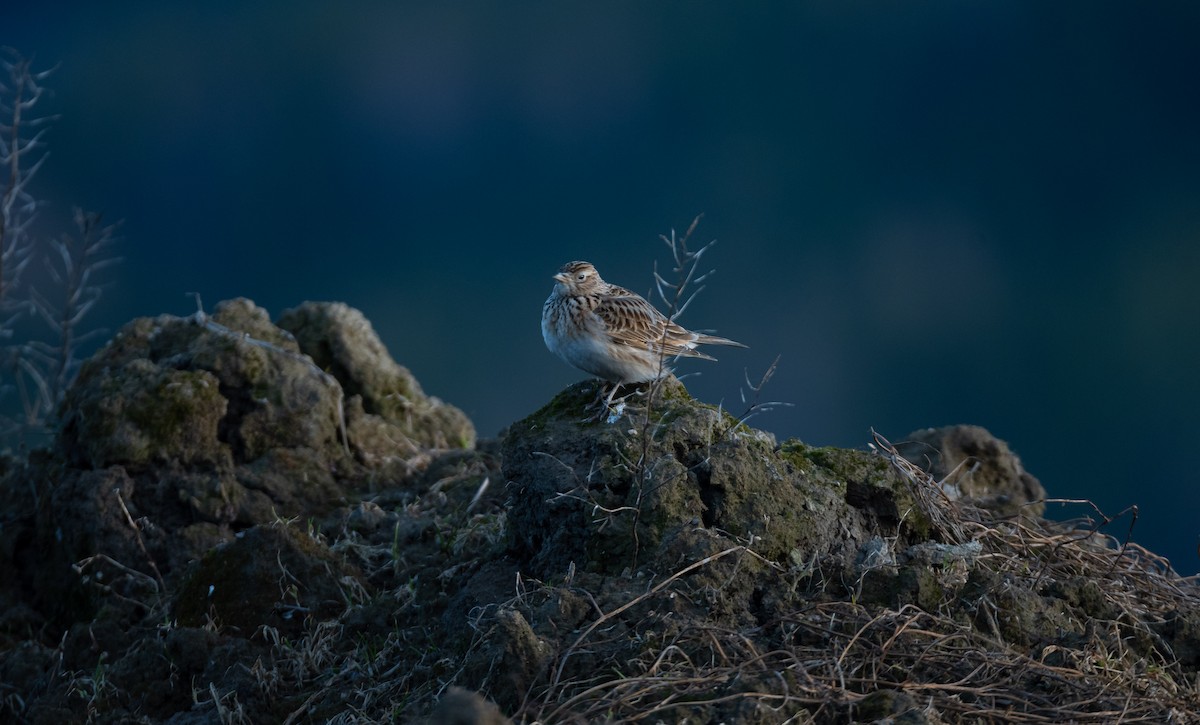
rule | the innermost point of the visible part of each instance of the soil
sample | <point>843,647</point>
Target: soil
<point>242,520</point>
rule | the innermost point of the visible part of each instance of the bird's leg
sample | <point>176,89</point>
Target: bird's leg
<point>601,401</point>
<point>604,402</point>
<point>601,391</point>
<point>608,402</point>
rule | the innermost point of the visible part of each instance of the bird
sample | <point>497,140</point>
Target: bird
<point>613,333</point>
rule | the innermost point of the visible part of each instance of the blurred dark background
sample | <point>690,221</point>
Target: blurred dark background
<point>939,212</point>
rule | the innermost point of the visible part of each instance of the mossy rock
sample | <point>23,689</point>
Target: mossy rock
<point>198,391</point>
<point>604,493</point>
<point>342,341</point>
<point>142,414</point>
<point>974,465</point>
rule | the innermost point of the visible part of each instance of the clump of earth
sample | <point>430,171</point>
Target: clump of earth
<point>247,520</point>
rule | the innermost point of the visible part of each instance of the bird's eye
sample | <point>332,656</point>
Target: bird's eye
<point>581,276</point>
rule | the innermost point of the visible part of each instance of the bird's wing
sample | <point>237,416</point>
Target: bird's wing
<point>630,320</point>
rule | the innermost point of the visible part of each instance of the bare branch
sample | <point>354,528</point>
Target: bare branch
<point>40,370</point>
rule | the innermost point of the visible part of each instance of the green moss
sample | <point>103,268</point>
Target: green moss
<point>930,590</point>
<point>140,413</point>
<point>571,403</point>
<point>395,399</point>
<point>808,460</point>
<point>178,401</point>
<point>254,364</point>
<point>848,464</point>
<point>796,453</point>
<point>579,404</point>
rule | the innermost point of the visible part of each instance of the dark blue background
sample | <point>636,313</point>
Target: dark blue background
<point>937,212</point>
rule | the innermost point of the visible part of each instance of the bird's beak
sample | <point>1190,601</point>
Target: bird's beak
<point>560,278</point>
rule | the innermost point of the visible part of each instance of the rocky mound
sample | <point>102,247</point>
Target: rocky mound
<point>182,432</point>
<point>244,521</point>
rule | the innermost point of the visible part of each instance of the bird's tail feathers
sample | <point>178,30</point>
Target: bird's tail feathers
<point>702,339</point>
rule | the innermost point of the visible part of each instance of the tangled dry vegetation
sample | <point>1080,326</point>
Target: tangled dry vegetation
<point>1021,620</point>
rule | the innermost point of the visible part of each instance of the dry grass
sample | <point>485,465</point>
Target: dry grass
<point>823,661</point>
<point>650,650</point>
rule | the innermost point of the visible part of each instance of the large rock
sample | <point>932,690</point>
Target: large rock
<point>341,340</point>
<point>974,465</point>
<point>182,431</point>
<point>194,391</point>
<point>610,496</point>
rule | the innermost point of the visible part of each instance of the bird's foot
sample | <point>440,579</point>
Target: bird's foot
<point>610,408</point>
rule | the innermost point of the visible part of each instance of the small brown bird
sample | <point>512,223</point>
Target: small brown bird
<point>611,332</point>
